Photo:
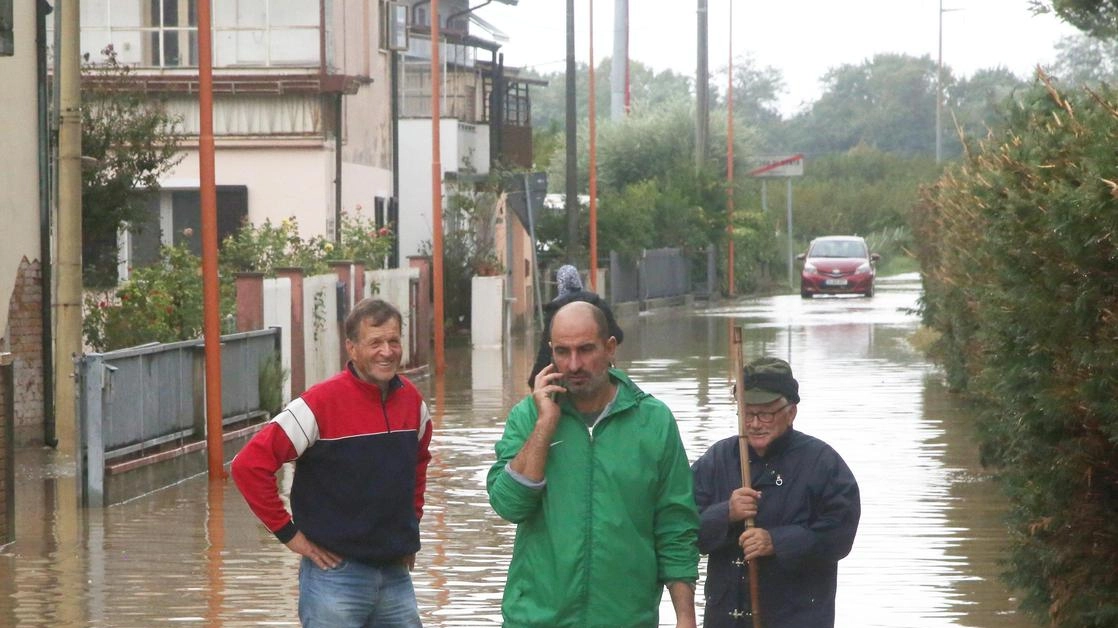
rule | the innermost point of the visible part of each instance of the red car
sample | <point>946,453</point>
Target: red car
<point>837,265</point>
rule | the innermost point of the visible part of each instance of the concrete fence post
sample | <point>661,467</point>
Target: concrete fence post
<point>424,310</point>
<point>250,301</point>
<point>298,330</point>
<point>91,376</point>
<point>344,271</point>
<point>359,282</point>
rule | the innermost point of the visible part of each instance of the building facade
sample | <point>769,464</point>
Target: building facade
<point>21,290</point>
<point>302,109</point>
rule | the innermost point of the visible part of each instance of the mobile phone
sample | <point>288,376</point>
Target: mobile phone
<point>559,382</point>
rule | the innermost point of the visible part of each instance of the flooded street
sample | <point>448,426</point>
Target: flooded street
<point>927,552</point>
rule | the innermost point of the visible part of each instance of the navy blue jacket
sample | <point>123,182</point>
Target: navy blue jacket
<point>809,505</point>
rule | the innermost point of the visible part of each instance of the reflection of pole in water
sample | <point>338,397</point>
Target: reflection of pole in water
<point>442,531</point>
<point>788,351</point>
<point>215,545</point>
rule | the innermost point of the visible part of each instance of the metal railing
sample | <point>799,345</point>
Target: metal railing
<point>137,400</point>
<point>658,273</point>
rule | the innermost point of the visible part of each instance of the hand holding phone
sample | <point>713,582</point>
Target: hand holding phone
<point>549,384</point>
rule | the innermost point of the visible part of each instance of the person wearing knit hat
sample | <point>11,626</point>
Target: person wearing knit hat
<point>569,289</point>
<point>804,502</point>
<point>568,280</point>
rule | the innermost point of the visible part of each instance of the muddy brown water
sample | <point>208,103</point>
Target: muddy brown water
<point>928,550</point>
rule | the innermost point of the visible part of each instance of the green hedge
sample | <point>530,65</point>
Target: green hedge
<point>1020,260</point>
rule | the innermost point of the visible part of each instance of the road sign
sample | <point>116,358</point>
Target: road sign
<point>782,166</point>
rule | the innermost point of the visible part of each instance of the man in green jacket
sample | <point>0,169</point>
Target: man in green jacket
<point>593,472</point>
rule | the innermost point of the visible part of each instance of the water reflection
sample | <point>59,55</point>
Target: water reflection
<point>926,554</point>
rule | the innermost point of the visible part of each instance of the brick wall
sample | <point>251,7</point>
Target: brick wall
<point>24,341</point>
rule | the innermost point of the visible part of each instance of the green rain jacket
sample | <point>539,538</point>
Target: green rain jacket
<point>615,521</point>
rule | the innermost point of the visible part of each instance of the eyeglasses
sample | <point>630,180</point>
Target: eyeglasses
<point>765,417</point>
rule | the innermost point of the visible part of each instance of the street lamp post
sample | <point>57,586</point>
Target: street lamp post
<point>939,86</point>
<point>939,90</point>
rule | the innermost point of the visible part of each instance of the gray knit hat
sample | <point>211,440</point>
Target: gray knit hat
<point>568,280</point>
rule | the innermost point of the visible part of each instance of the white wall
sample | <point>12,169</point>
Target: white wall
<point>459,143</point>
<point>19,176</point>
<point>289,180</point>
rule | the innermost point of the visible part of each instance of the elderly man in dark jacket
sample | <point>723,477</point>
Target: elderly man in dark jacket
<point>805,505</point>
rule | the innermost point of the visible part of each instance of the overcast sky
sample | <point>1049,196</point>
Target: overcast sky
<point>801,38</point>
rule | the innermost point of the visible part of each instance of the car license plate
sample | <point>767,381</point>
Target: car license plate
<point>834,282</point>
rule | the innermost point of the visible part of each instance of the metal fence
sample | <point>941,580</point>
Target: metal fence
<point>658,273</point>
<point>136,400</point>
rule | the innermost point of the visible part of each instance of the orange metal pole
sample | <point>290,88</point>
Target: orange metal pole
<point>593,166</point>
<point>211,321</point>
<point>730,160</point>
<point>436,194</point>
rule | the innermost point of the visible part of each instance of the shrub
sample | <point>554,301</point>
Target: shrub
<point>159,303</point>
<point>1020,264</point>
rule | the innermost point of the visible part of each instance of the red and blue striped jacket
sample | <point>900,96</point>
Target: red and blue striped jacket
<point>360,468</point>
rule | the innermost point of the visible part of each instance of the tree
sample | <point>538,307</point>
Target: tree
<point>979,103</point>
<point>1095,17</point>
<point>1083,60</point>
<point>887,102</point>
<point>756,92</point>
<point>132,139</point>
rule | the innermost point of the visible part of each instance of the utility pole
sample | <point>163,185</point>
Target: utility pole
<point>730,288</point>
<point>67,303</point>
<point>211,297</point>
<point>939,85</point>
<point>437,197</point>
<point>618,105</point>
<point>572,142</point>
<point>702,90</point>
<point>593,161</point>
<point>939,90</point>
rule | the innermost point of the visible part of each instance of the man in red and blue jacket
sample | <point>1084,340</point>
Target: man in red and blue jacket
<point>360,443</point>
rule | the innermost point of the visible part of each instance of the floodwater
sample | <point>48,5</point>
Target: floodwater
<point>927,553</point>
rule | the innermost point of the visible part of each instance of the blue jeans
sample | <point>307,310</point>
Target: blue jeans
<point>356,595</point>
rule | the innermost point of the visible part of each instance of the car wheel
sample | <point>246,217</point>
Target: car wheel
<point>805,295</point>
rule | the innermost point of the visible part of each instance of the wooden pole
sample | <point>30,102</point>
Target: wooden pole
<point>743,452</point>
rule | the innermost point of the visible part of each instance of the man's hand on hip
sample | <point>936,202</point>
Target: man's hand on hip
<point>324,558</point>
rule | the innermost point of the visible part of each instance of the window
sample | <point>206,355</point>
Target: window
<point>7,30</point>
<point>172,212</point>
<point>164,33</point>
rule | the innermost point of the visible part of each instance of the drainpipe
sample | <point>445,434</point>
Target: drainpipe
<point>394,87</point>
<point>45,187</point>
<point>338,169</point>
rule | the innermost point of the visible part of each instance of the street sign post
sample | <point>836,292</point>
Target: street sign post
<point>779,166</point>
<point>786,167</point>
